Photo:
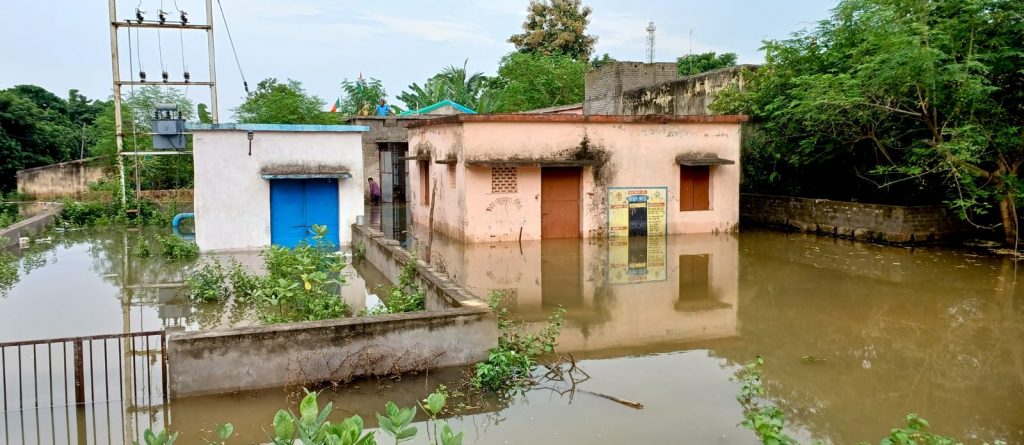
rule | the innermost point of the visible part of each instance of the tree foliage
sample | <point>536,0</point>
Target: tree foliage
<point>556,27</point>
<point>452,83</point>
<point>531,81</point>
<point>907,96</point>
<point>286,102</point>
<point>361,96</point>
<point>39,128</point>
<point>691,64</point>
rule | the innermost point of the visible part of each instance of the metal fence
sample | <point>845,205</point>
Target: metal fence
<point>95,389</point>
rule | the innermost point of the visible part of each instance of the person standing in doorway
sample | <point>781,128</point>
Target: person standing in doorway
<point>374,192</point>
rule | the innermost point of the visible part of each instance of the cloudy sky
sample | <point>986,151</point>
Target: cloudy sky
<point>63,44</point>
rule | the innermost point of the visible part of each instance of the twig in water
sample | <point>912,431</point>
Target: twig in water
<point>629,403</point>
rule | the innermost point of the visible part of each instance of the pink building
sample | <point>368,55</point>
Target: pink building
<point>505,177</point>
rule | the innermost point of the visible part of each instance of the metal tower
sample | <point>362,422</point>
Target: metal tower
<point>650,42</point>
<point>161,23</point>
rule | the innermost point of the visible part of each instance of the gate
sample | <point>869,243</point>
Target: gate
<point>65,390</point>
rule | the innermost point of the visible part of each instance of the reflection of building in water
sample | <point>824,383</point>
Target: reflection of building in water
<point>624,292</point>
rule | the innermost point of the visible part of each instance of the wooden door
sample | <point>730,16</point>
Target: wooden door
<point>560,202</point>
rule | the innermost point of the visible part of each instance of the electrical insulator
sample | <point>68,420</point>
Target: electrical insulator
<point>187,76</point>
<point>138,15</point>
<point>142,76</point>
<point>184,18</point>
<point>165,75</point>
<point>163,16</point>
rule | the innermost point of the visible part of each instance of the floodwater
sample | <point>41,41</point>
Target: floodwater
<point>855,336</point>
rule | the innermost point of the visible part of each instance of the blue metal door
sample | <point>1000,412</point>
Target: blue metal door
<point>297,204</point>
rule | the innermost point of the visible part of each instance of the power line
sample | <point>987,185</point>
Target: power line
<point>232,41</point>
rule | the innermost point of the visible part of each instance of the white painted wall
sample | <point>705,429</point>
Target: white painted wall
<point>232,200</point>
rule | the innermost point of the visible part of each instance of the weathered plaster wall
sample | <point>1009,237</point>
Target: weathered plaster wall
<point>604,85</point>
<point>438,142</point>
<point>689,95</point>
<point>867,222</point>
<point>635,155</point>
<point>64,180</point>
<point>232,200</point>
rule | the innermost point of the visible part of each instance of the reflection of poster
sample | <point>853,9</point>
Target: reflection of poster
<point>636,259</point>
<point>637,211</point>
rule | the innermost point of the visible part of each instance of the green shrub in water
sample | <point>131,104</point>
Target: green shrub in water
<point>508,367</point>
<point>406,296</point>
<point>175,248</point>
<point>206,283</point>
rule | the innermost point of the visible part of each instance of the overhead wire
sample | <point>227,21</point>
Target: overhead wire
<point>224,18</point>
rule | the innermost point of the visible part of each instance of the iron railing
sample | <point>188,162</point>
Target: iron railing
<point>69,389</point>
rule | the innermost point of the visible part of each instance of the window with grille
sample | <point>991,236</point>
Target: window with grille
<point>504,180</point>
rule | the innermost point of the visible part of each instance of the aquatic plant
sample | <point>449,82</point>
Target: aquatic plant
<point>206,283</point>
<point>508,366</point>
<point>141,248</point>
<point>768,422</point>
<point>108,209</point>
<point>175,248</point>
<point>406,296</point>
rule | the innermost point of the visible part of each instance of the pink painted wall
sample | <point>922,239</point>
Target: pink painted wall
<point>639,154</point>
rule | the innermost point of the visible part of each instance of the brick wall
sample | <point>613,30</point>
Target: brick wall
<point>867,222</point>
<point>689,95</point>
<point>605,84</point>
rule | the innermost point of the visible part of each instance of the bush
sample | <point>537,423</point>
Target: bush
<point>508,367</point>
<point>175,248</point>
<point>407,296</point>
<point>206,283</point>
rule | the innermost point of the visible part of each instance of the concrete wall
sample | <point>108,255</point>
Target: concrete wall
<point>64,180</point>
<point>232,200</point>
<point>689,95</point>
<point>868,222</point>
<point>635,154</point>
<point>39,216</point>
<point>604,85</point>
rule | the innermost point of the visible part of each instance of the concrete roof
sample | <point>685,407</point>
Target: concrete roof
<point>296,128</point>
<point>582,118</point>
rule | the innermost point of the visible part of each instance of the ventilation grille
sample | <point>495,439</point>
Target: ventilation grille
<point>504,180</point>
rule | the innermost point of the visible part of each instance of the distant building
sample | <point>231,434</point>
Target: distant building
<point>262,184</point>
<point>505,177</point>
<point>443,107</point>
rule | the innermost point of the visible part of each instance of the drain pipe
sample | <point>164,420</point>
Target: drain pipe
<point>176,222</point>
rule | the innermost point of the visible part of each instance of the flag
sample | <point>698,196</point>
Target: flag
<point>334,108</point>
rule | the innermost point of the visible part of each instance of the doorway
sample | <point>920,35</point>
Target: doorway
<point>392,171</point>
<point>560,202</point>
<point>297,204</point>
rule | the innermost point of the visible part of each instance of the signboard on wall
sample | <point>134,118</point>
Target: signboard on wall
<point>637,211</point>
<point>636,260</point>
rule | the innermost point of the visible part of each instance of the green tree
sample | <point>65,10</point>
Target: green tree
<point>452,83</point>
<point>204,114</point>
<point>556,26</point>
<point>605,59</point>
<point>34,131</point>
<point>922,92</point>
<point>531,81</point>
<point>287,102</point>
<point>360,97</point>
<point>155,172</point>
<point>691,64</point>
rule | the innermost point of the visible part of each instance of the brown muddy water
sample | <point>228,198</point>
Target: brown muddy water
<point>855,336</point>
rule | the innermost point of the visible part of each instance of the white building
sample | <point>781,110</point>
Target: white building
<point>262,184</point>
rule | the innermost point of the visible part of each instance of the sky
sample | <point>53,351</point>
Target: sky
<point>64,44</point>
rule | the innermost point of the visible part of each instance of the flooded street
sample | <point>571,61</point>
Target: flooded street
<point>855,336</point>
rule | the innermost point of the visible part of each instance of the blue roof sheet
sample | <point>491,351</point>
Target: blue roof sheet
<point>279,127</point>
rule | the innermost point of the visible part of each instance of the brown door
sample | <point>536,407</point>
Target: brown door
<point>560,202</point>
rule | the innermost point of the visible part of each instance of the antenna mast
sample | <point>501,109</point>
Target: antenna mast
<point>650,42</point>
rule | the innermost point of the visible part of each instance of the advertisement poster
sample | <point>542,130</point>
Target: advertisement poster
<point>636,260</point>
<point>637,211</point>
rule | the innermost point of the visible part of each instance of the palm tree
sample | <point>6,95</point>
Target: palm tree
<point>452,83</point>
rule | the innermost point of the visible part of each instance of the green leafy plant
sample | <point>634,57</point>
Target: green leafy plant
<point>141,248</point>
<point>433,405</point>
<point>206,283</point>
<point>313,428</point>
<point>406,296</point>
<point>396,422</point>
<point>508,367</point>
<point>224,432</point>
<point>176,248</point>
<point>161,438</point>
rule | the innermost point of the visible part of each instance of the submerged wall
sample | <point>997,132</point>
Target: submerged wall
<point>456,329</point>
<point>64,180</point>
<point>867,222</point>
